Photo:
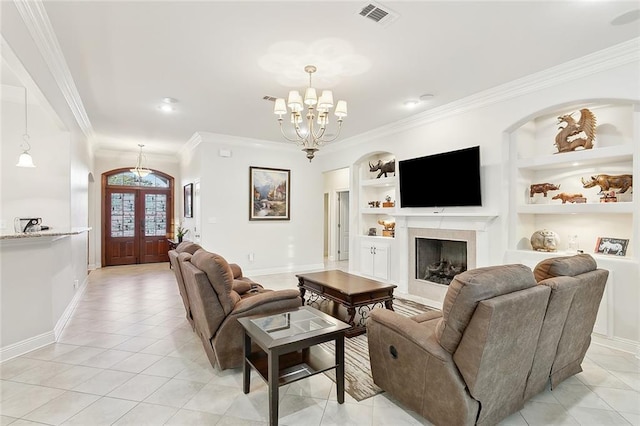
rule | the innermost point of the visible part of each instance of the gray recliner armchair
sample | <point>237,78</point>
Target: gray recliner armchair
<point>216,305</point>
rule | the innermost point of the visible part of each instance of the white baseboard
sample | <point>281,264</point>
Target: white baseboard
<point>27,345</point>
<point>17,349</point>
<point>624,345</point>
<point>57,330</point>
<point>282,270</point>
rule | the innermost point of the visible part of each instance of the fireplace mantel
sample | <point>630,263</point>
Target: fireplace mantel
<point>482,216</point>
<point>453,221</point>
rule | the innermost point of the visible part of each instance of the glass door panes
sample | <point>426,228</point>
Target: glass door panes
<point>123,214</point>
<point>155,210</point>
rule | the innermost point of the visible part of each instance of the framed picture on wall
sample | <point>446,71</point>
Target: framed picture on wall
<point>614,246</point>
<point>269,193</point>
<point>188,200</point>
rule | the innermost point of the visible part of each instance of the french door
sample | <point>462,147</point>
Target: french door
<point>137,218</point>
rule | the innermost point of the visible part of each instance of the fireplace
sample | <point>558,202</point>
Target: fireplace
<point>435,257</point>
<point>439,260</point>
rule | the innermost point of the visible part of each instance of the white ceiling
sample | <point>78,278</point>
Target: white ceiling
<point>219,59</point>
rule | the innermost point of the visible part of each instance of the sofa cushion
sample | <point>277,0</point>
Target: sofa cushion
<point>568,266</point>
<point>471,287</point>
<point>188,247</point>
<point>220,276</point>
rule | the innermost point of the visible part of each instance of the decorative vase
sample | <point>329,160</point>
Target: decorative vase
<point>180,238</point>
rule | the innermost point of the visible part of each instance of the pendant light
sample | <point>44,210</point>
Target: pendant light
<point>25,159</point>
<point>139,170</point>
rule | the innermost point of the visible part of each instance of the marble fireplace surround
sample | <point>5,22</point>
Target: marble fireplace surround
<point>430,290</point>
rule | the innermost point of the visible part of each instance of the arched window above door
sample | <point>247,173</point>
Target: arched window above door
<point>128,178</point>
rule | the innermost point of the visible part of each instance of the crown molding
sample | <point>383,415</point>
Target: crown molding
<point>37,22</point>
<point>219,138</point>
<point>191,144</point>
<point>603,60</point>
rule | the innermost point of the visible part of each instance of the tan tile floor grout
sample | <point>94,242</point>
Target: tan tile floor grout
<point>129,357</point>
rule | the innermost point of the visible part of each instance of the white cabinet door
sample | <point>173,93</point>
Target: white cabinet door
<point>366,258</point>
<point>374,259</point>
<point>381,261</point>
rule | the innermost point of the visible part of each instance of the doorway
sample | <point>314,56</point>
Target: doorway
<point>137,213</point>
<point>343,225</point>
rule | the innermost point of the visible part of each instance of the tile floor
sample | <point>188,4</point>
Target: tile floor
<point>129,357</point>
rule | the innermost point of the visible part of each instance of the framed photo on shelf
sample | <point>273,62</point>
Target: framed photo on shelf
<point>613,246</point>
<point>188,200</point>
<point>269,193</point>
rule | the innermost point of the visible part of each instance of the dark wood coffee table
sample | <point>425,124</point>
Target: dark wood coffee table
<point>355,293</point>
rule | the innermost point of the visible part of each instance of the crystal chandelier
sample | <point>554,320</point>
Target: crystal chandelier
<point>138,170</point>
<point>311,137</point>
<point>25,159</point>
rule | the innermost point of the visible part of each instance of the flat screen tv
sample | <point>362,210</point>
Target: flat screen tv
<point>448,179</point>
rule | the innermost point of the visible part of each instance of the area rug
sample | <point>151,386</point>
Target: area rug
<point>357,370</point>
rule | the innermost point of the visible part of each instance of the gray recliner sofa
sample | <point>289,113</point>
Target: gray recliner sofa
<point>502,336</point>
<point>217,299</point>
<point>242,285</point>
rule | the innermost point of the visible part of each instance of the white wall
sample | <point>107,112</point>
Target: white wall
<point>279,245</point>
<point>38,274</point>
<point>42,191</point>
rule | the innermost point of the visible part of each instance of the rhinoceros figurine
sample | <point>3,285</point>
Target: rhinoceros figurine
<point>545,240</point>
<point>386,167</point>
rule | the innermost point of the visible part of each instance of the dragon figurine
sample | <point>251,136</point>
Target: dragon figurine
<point>575,134</point>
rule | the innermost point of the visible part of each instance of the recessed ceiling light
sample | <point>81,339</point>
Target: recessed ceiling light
<point>167,104</point>
<point>411,103</point>
<point>627,18</point>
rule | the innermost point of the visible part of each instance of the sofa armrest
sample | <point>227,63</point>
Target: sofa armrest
<point>237,270</point>
<point>248,304</point>
<point>415,332</point>
<point>427,316</point>
<point>408,362</point>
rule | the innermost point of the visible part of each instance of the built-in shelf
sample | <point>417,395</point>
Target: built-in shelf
<point>479,215</point>
<point>388,181</point>
<point>537,256</point>
<point>377,237</point>
<point>602,208</point>
<point>379,210</point>
<point>585,157</point>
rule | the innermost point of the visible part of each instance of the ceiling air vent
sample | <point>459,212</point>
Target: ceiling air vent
<point>378,13</point>
<point>269,98</point>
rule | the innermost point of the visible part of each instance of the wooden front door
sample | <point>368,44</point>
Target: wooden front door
<point>137,217</point>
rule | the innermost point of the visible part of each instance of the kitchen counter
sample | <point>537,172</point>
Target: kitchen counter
<point>48,234</point>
